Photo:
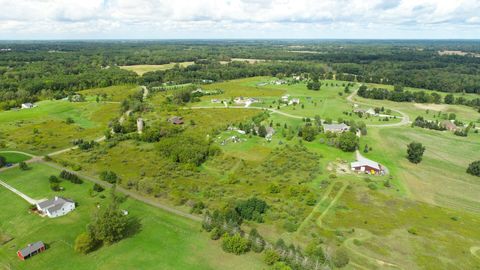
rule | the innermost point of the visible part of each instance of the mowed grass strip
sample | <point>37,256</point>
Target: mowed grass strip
<point>164,241</point>
<point>13,157</point>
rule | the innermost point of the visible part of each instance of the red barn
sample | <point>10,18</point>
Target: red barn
<point>30,250</point>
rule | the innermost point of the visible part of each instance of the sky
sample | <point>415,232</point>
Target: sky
<point>239,19</point>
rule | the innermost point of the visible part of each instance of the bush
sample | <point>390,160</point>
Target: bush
<point>235,244</point>
<point>85,243</point>
<point>109,177</point>
<point>215,234</point>
<point>340,259</point>
<point>98,188</point>
<point>270,257</point>
<point>70,177</point>
<point>252,209</point>
<point>474,168</point>
<point>3,161</point>
<point>23,166</point>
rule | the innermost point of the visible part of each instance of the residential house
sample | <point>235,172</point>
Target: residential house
<point>27,105</point>
<point>335,128</point>
<point>56,207</point>
<point>366,166</point>
<point>30,250</point>
<point>294,101</point>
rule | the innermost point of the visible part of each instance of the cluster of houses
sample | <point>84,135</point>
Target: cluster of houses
<point>245,101</point>
<point>286,99</point>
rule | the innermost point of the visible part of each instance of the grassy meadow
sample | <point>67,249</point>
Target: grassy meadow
<point>163,241</point>
<point>141,69</point>
<point>43,129</point>
<point>13,157</point>
<point>115,93</point>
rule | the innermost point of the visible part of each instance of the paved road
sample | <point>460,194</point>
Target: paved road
<point>405,118</point>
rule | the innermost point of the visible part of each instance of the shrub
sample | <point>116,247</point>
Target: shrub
<point>348,142</point>
<point>98,188</point>
<point>3,161</point>
<point>84,243</point>
<point>215,234</point>
<point>252,209</point>
<point>235,244</point>
<point>340,259</point>
<point>270,257</point>
<point>23,166</point>
<point>474,168</point>
<point>109,177</point>
<point>70,177</point>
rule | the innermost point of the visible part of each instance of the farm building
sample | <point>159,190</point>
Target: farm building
<point>56,207</point>
<point>335,128</point>
<point>30,250</point>
<point>285,98</point>
<point>449,125</point>
<point>27,105</point>
<point>176,120</point>
<point>366,166</point>
<point>294,101</point>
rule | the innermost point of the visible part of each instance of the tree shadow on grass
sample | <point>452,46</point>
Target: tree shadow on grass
<point>134,226</point>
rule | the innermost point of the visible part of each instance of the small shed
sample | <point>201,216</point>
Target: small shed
<point>31,250</point>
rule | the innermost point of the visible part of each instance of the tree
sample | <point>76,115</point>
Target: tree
<point>110,224</point>
<point>308,133</point>
<point>474,168</point>
<point>235,244</point>
<point>262,131</point>
<point>109,176</point>
<point>271,256</point>
<point>3,161</point>
<point>449,99</point>
<point>415,152</point>
<point>23,166</point>
<point>348,142</point>
<point>84,243</point>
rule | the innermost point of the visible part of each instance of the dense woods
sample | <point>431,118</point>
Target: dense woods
<point>37,70</point>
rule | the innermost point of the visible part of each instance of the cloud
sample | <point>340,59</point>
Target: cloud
<point>228,18</point>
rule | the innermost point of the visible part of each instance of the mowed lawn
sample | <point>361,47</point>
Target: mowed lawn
<point>115,93</point>
<point>13,157</point>
<point>43,129</point>
<point>141,69</point>
<point>441,177</point>
<point>164,241</point>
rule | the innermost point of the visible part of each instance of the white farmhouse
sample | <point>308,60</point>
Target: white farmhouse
<point>56,207</point>
<point>27,105</point>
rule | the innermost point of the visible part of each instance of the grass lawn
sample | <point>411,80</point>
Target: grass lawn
<point>163,242</point>
<point>115,93</point>
<point>141,69</point>
<point>43,129</point>
<point>13,157</point>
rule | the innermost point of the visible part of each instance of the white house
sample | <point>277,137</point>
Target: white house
<point>56,207</point>
<point>27,105</point>
<point>294,101</point>
<point>285,98</point>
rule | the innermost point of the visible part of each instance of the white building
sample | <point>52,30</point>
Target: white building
<point>294,101</point>
<point>56,207</point>
<point>27,105</point>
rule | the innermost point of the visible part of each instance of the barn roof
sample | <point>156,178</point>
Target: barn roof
<point>31,248</point>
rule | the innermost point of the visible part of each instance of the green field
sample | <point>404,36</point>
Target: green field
<point>43,129</point>
<point>141,69</point>
<point>13,157</point>
<point>164,241</point>
<point>115,93</point>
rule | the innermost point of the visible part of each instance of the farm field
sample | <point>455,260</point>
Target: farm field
<point>112,94</point>
<point>142,69</point>
<point>161,235</point>
<point>43,129</point>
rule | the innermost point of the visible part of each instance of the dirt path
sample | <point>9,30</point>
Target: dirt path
<point>145,92</point>
<point>72,148</point>
<point>316,208</point>
<point>405,118</point>
<point>332,203</point>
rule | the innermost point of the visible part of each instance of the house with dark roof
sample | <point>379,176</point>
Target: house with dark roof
<point>176,120</point>
<point>335,128</point>
<point>30,250</point>
<point>56,207</point>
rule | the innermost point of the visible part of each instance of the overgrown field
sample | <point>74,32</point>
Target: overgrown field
<point>45,128</point>
<point>176,240</point>
<point>110,94</point>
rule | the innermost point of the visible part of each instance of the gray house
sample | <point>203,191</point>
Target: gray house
<point>335,128</point>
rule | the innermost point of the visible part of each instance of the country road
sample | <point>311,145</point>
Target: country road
<point>405,118</point>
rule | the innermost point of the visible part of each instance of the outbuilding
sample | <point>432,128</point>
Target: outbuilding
<point>366,166</point>
<point>31,250</point>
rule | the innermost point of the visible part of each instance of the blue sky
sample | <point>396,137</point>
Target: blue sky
<point>202,19</point>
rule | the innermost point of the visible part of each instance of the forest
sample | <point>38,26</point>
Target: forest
<point>30,71</point>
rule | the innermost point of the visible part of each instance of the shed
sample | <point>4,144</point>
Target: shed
<point>31,250</point>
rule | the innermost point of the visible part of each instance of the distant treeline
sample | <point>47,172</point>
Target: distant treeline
<point>399,95</point>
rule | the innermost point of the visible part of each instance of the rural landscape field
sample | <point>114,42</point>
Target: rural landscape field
<point>122,149</point>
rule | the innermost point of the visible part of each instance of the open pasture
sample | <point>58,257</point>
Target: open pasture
<point>115,93</point>
<point>142,69</point>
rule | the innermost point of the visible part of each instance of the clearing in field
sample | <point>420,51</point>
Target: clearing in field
<point>112,93</point>
<point>142,69</point>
